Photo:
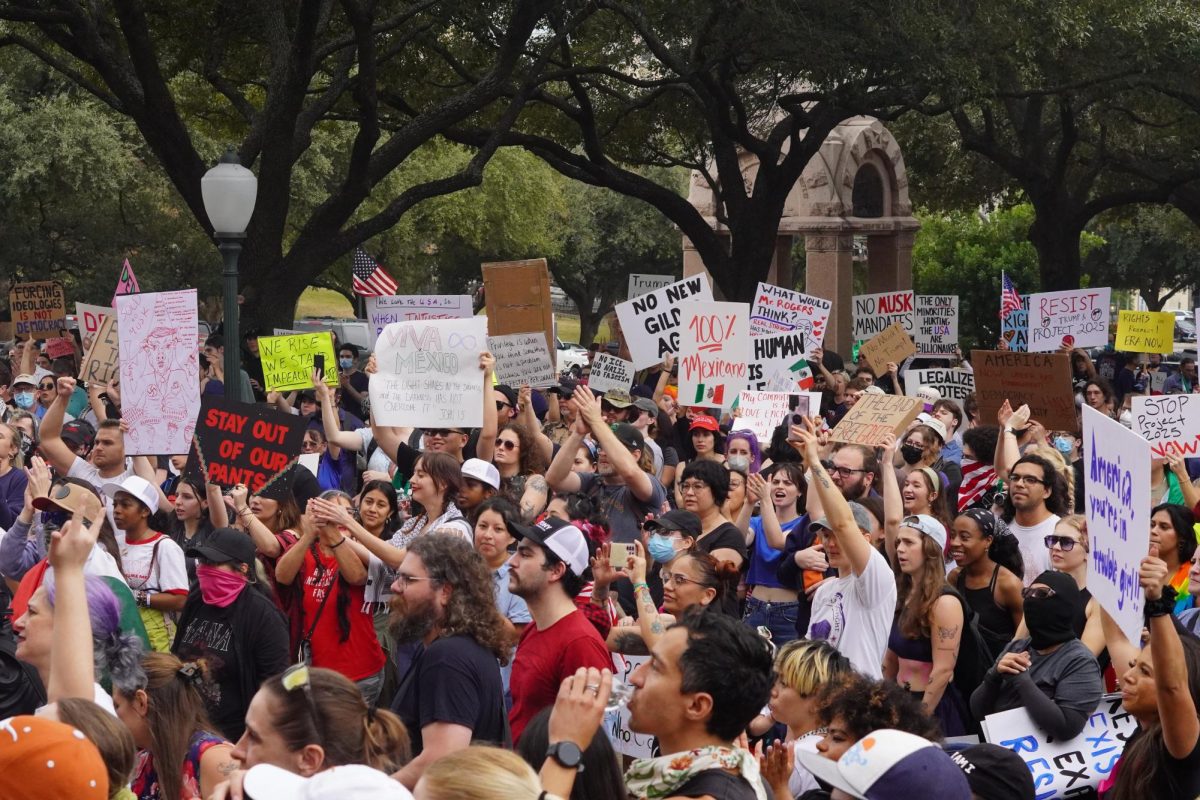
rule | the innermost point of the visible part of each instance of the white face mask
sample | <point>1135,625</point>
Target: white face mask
<point>1126,419</point>
<point>741,463</point>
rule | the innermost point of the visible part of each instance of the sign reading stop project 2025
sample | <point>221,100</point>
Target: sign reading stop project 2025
<point>39,310</point>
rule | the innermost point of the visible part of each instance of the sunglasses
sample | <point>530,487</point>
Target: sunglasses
<point>440,432</point>
<point>45,385</point>
<point>1065,543</point>
<point>501,405</point>
<point>297,678</point>
<point>1038,593</point>
<point>507,444</point>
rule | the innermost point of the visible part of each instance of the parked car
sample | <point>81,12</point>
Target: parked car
<point>1185,331</point>
<point>571,358</point>
<point>353,331</point>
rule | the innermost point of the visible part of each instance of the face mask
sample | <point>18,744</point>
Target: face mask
<point>345,363</point>
<point>23,399</point>
<point>661,548</point>
<point>740,463</point>
<point>1063,445</point>
<point>1127,419</point>
<point>910,454</point>
<point>219,587</point>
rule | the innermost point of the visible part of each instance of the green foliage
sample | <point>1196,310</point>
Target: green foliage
<point>1153,249</point>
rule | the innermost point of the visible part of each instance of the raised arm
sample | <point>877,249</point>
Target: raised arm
<point>1007,451</point>
<point>1176,708</point>
<point>72,663</point>
<point>264,540</point>
<point>559,474</point>
<point>485,448</point>
<point>841,520</point>
<point>619,456</point>
<point>528,418</point>
<point>664,377</point>
<point>893,503</point>
<point>334,435</point>
<point>50,432</point>
<point>218,512</point>
<point>335,536</point>
<point>288,567</point>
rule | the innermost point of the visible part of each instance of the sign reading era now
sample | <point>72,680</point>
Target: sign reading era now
<point>777,310</point>
<point>651,323</point>
<point>1145,332</point>
<point>1072,318</point>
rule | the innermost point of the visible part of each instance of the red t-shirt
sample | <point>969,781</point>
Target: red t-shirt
<point>545,658</point>
<point>358,657</point>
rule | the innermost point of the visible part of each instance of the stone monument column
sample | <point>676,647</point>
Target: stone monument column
<point>889,261</point>
<point>829,273</point>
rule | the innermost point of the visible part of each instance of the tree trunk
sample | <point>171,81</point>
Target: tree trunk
<point>1056,238</point>
<point>589,326</point>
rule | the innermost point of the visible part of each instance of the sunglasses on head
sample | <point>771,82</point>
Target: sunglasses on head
<point>297,678</point>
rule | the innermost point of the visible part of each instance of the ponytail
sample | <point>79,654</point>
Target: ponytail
<point>386,745</point>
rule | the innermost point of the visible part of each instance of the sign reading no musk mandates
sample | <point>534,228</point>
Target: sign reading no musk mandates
<point>522,360</point>
<point>714,353</point>
<point>1145,332</point>
<point>610,373</point>
<point>874,416</point>
<point>1116,477</point>
<point>246,443</point>
<point>651,323</point>
<point>1074,318</point>
<point>39,310</point>
<point>287,361</point>
<point>1169,422</point>
<point>892,344</point>
<point>936,324</point>
<point>429,374</point>
<point>875,312</point>
<point>952,384</point>
<point>776,310</point>
<point>1041,380</point>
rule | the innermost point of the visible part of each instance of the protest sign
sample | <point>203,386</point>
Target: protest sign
<point>518,298</point>
<point>1068,768</point>
<point>1145,332</point>
<point>610,373</point>
<point>100,363</point>
<point>88,317</point>
<point>1169,422</point>
<point>616,723</point>
<point>429,374</point>
<point>776,310</point>
<point>246,443</point>
<point>777,354</point>
<point>936,324</point>
<point>383,311</point>
<point>1074,318</point>
<point>127,283</point>
<point>39,310</point>
<point>287,361</point>
<point>763,412</point>
<point>952,384</point>
<point>873,313</point>
<point>522,359</point>
<point>892,344</point>
<point>1041,380</point>
<point>874,416</point>
<point>160,370</point>
<point>1014,328</point>
<point>714,351</point>
<point>60,346</point>
<point>1158,380</point>
<point>1116,477</point>
<point>289,331</point>
<point>640,283</point>
<point>651,323</point>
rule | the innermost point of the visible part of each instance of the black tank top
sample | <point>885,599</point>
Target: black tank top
<point>995,622</point>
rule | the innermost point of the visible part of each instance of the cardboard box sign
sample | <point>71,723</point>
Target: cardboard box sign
<point>1041,380</point>
<point>39,310</point>
<point>101,363</point>
<point>877,415</point>
<point>518,298</point>
<point>246,443</point>
<point>892,344</point>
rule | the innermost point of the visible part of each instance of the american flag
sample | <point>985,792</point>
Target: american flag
<point>370,279</point>
<point>1010,301</point>
<point>977,478</point>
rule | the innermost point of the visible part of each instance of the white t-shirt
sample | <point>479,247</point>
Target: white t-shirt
<point>165,571</point>
<point>379,461</point>
<point>86,470</point>
<point>854,614</point>
<point>1032,541</point>
<point>802,780</point>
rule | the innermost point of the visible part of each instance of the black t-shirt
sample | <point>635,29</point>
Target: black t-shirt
<point>243,644</point>
<point>360,381</point>
<point>725,536</point>
<point>718,784</point>
<point>21,690</point>
<point>453,680</point>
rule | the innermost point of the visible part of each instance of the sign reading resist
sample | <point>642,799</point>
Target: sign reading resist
<point>651,323</point>
<point>1074,318</point>
<point>429,374</point>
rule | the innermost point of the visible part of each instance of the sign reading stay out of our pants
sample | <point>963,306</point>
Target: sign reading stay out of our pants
<point>873,313</point>
<point>1071,318</point>
<point>714,353</point>
<point>652,322</point>
<point>777,310</point>
<point>246,443</point>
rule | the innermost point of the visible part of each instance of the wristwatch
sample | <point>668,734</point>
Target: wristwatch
<point>567,754</point>
<point>143,598</point>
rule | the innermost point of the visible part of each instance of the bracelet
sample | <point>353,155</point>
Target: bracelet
<point>1162,606</point>
<point>339,544</point>
<point>640,587</point>
<point>245,511</point>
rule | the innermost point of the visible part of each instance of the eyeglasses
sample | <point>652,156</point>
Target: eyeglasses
<point>1065,543</point>
<point>297,677</point>
<point>408,580</point>
<point>507,444</point>
<point>440,432</point>
<point>692,486</point>
<point>918,445</point>
<point>1038,593</point>
<point>844,472</point>
<point>45,385</point>
<point>1024,480</point>
<point>675,579</point>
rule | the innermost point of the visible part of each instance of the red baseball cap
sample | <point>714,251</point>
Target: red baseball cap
<point>705,423</point>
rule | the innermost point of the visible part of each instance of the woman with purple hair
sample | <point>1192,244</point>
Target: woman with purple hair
<point>742,452</point>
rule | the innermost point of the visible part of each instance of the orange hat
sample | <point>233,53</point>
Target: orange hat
<point>672,390</point>
<point>50,761</point>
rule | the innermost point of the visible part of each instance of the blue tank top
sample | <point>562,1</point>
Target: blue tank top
<point>764,561</point>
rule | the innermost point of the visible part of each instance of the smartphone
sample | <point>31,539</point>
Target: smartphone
<point>618,555</point>
<point>319,363</point>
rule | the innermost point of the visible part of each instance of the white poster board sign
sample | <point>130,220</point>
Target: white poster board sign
<point>776,355</point>
<point>383,311</point>
<point>89,317</point>
<point>875,312</point>
<point>1169,422</point>
<point>1076,317</point>
<point>776,310</point>
<point>1063,768</point>
<point>640,283</point>
<point>160,370</point>
<point>429,374</point>
<point>616,723</point>
<point>762,413</point>
<point>523,360</point>
<point>714,353</point>
<point>936,324</point>
<point>610,373</point>
<point>651,323</point>
<point>1116,475</point>
<point>953,384</point>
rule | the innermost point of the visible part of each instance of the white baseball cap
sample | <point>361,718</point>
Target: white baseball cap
<point>136,486</point>
<point>889,765</point>
<point>268,782</point>
<point>482,471</point>
<point>561,538</point>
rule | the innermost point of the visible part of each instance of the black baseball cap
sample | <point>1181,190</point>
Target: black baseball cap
<point>510,394</point>
<point>684,522</point>
<point>79,432</point>
<point>565,388</point>
<point>629,436</point>
<point>224,544</point>
<point>994,772</point>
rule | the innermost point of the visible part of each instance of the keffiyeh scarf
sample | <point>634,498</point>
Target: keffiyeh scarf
<point>654,778</point>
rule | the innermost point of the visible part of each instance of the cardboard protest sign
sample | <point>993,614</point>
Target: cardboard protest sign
<point>521,359</point>
<point>1075,318</point>
<point>127,283</point>
<point>776,310</point>
<point>1042,380</point>
<point>1145,332</point>
<point>714,351</point>
<point>609,373</point>
<point>778,354</point>
<point>160,370</point>
<point>651,323</point>
<point>1014,328</point>
<point>952,384</point>
<point>936,323</point>
<point>88,317</point>
<point>892,344</point>
<point>518,298</point>
<point>873,313</point>
<point>763,412</point>
<point>100,363</point>
<point>1062,769</point>
<point>287,361</point>
<point>874,416</point>
<point>39,310</point>
<point>1169,422</point>
<point>246,443</point>
<point>1116,477</point>
<point>429,374</point>
<point>640,283</point>
<point>60,346</point>
<point>383,311</point>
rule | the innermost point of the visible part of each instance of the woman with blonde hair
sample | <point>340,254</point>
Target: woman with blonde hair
<point>112,739</point>
<point>480,773</point>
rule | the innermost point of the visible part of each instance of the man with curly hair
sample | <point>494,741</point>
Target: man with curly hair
<point>853,706</point>
<point>452,694</point>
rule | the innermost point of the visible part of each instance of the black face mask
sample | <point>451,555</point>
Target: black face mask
<point>1051,620</point>
<point>910,454</point>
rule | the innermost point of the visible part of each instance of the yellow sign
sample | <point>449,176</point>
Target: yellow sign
<point>1146,332</point>
<point>288,361</point>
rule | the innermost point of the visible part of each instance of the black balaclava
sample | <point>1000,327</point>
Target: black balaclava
<point>1050,619</point>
